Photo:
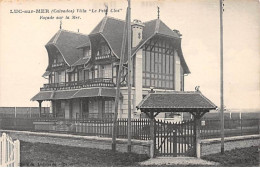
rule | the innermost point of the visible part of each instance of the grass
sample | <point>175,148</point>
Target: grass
<point>237,157</point>
<point>46,155</point>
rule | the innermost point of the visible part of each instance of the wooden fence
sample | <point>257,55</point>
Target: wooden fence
<point>9,151</point>
<point>23,112</point>
<point>88,127</point>
<point>210,128</point>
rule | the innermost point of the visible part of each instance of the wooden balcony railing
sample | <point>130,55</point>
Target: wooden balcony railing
<point>104,56</point>
<point>60,64</point>
<point>97,82</point>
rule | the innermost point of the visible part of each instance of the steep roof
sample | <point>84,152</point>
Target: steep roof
<point>67,42</point>
<point>177,101</point>
<point>112,30</point>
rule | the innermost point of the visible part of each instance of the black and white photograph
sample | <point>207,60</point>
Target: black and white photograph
<point>129,83</point>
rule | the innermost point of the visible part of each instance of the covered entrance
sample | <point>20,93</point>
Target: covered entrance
<point>175,139</point>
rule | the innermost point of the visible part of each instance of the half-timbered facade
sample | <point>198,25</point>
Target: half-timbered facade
<point>82,69</point>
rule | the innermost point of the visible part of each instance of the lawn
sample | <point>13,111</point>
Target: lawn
<point>237,157</point>
<point>41,154</point>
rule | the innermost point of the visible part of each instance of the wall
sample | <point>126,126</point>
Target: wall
<point>124,103</point>
<point>211,146</point>
<point>138,80</point>
<point>138,146</point>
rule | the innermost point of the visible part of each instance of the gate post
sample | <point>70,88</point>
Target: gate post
<point>16,153</point>
<point>197,136</point>
<point>152,135</point>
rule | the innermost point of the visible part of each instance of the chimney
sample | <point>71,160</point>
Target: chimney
<point>137,32</point>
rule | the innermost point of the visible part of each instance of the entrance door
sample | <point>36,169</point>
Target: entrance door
<point>174,139</point>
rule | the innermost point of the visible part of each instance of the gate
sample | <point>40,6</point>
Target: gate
<point>174,139</point>
<point>9,151</point>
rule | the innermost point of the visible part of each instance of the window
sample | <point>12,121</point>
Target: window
<point>93,109</point>
<point>105,50</point>
<point>86,53</point>
<point>109,106</point>
<point>106,71</point>
<point>81,75</point>
<point>61,76</point>
<point>158,65</point>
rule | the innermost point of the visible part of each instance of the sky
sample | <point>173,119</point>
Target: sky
<point>23,57</point>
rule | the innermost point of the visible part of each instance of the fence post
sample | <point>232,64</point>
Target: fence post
<point>197,124</point>
<point>3,150</point>
<point>241,124</point>
<point>258,124</point>
<point>16,153</point>
<point>15,112</point>
<point>152,137</point>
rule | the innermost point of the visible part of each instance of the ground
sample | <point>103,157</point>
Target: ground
<point>37,150</point>
<point>42,154</point>
<point>237,157</point>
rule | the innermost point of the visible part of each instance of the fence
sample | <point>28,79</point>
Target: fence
<point>23,112</point>
<point>210,128</point>
<point>9,151</point>
<point>88,127</point>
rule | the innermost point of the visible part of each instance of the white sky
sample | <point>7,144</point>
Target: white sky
<point>23,57</point>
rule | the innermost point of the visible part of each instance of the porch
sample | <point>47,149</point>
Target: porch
<point>76,104</point>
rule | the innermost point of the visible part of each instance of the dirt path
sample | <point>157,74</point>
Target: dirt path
<point>177,161</point>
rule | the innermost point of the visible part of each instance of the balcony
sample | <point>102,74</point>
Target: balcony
<point>60,64</point>
<point>97,82</point>
<point>102,57</point>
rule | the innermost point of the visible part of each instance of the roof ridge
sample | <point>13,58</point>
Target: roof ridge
<point>57,36</point>
<point>104,21</point>
<point>74,32</point>
<point>171,92</point>
<point>116,18</point>
<point>149,21</point>
<point>157,26</point>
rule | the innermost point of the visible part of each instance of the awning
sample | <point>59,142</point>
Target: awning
<point>47,73</point>
<point>54,95</point>
<point>96,92</point>
<point>188,101</point>
<point>79,93</point>
<point>46,95</point>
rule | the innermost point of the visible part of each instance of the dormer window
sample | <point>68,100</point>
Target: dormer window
<point>87,53</point>
<point>105,50</point>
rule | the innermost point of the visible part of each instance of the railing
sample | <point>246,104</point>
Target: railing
<point>210,128</point>
<point>97,82</point>
<point>101,57</point>
<point>60,64</point>
<point>87,127</point>
<point>9,151</point>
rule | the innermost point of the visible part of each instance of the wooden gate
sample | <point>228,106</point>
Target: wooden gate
<point>9,151</point>
<point>174,139</point>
